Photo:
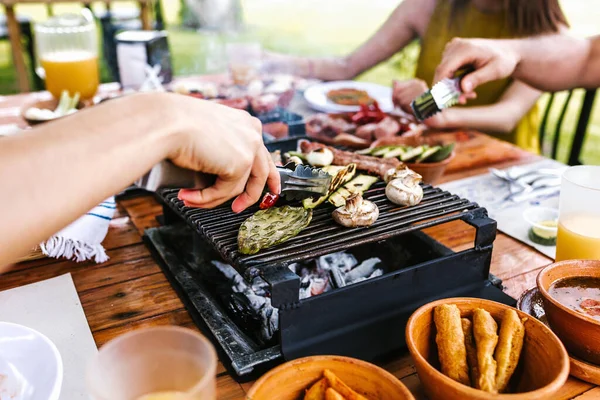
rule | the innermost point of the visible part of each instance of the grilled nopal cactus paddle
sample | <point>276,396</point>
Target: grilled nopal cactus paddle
<point>267,228</point>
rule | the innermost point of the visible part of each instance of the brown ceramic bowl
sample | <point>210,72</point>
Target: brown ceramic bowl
<point>290,381</point>
<point>580,333</point>
<point>543,367</point>
<point>43,104</point>
<point>431,172</point>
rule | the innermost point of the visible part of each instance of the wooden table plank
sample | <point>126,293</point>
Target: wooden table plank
<point>590,394</point>
<point>129,301</point>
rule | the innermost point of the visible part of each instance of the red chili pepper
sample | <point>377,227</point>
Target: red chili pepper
<point>268,201</point>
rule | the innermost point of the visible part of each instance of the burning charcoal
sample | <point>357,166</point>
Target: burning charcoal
<point>342,260</point>
<point>250,303</point>
<point>364,270</point>
<point>261,287</point>
<point>337,277</point>
<point>378,272</point>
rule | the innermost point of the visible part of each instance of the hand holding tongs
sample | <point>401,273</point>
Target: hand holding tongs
<point>297,182</point>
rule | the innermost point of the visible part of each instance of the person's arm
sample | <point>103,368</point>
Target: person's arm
<point>53,174</point>
<point>550,63</point>
<point>406,22</point>
<point>500,117</point>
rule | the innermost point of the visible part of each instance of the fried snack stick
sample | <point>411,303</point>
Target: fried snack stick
<point>486,338</point>
<point>467,327</point>
<point>450,340</point>
<point>340,387</point>
<point>510,344</point>
<point>317,391</point>
<point>331,394</point>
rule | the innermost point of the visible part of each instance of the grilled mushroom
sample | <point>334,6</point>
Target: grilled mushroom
<point>356,212</point>
<point>403,186</point>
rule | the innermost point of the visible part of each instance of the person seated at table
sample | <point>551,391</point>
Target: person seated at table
<point>506,108</point>
<point>58,171</point>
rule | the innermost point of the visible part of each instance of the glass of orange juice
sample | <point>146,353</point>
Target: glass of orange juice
<point>579,214</point>
<point>162,363</point>
<point>67,50</point>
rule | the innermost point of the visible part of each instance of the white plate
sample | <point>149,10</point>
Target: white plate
<point>316,96</point>
<point>30,365</point>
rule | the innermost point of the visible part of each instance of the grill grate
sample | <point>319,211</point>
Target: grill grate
<point>323,236</point>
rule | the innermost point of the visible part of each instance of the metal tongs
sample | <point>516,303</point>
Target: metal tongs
<point>297,182</point>
<point>302,181</point>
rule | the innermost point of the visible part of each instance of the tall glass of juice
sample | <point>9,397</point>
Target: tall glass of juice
<point>67,50</point>
<point>162,363</point>
<point>579,214</point>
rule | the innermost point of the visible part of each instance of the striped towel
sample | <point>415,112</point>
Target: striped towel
<point>82,240</point>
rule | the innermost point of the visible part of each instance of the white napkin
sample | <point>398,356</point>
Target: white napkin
<point>82,240</point>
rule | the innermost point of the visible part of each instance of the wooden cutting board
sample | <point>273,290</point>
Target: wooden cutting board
<point>474,150</point>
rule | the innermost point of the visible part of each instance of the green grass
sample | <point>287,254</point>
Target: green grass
<point>317,27</point>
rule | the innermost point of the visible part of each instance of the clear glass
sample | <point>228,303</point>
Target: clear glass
<point>67,52</point>
<point>244,61</point>
<point>166,363</point>
<point>579,214</point>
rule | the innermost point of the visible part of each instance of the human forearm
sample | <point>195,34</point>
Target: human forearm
<point>478,118</point>
<point>558,62</point>
<point>550,63</point>
<point>61,170</point>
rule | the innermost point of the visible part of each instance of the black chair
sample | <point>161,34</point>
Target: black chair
<point>115,21</point>
<point>580,130</point>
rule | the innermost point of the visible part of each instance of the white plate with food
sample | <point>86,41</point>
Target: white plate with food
<point>345,96</point>
<point>31,367</point>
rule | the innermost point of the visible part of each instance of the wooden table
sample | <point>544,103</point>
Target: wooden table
<point>14,31</point>
<point>130,291</point>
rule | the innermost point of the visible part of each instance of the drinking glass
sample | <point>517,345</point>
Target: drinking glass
<point>163,363</point>
<point>67,52</point>
<point>244,61</point>
<point>579,214</point>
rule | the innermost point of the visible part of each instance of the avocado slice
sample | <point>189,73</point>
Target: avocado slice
<point>412,153</point>
<point>442,154</point>
<point>428,153</point>
<point>397,152</point>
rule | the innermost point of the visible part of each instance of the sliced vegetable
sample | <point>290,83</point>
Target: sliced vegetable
<point>340,175</point>
<point>360,184</point>
<point>380,151</point>
<point>443,153</point>
<point>267,228</point>
<point>397,152</point>
<point>428,153</point>
<point>412,153</point>
<point>298,154</point>
<point>544,236</point>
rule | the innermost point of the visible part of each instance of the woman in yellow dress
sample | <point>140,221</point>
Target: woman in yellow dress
<point>506,108</point>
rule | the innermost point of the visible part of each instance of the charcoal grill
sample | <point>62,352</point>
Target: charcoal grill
<point>364,320</point>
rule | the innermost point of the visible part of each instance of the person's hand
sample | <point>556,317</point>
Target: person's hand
<point>225,142</point>
<point>404,92</point>
<point>491,60</point>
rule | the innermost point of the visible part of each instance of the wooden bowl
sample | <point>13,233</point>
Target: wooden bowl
<point>289,381</point>
<point>431,172</point>
<point>580,333</point>
<point>43,104</point>
<point>543,367</point>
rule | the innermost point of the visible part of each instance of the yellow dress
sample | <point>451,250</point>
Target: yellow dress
<point>470,22</point>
